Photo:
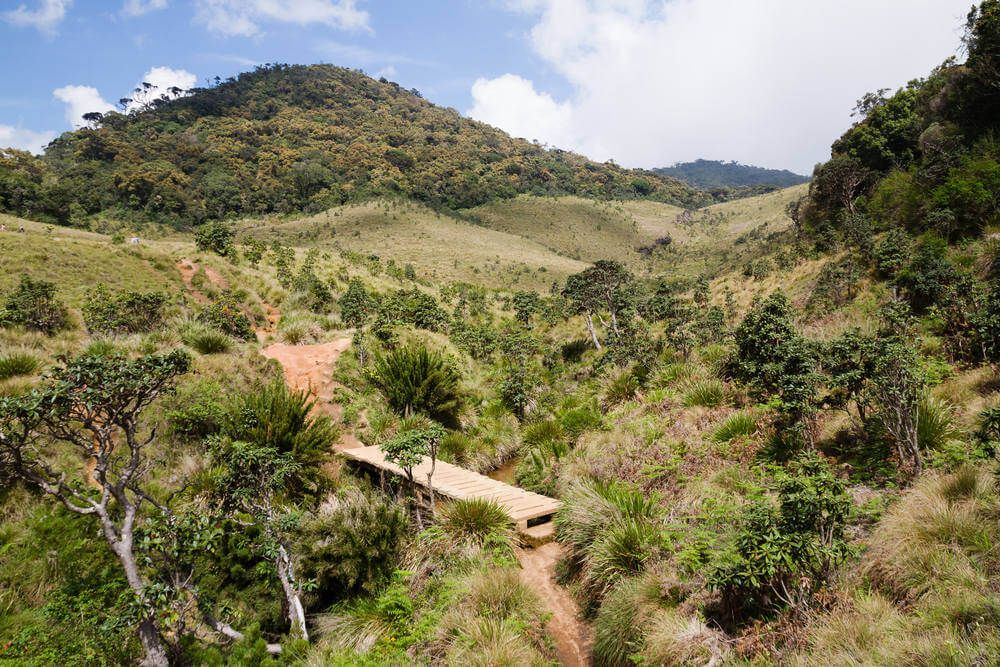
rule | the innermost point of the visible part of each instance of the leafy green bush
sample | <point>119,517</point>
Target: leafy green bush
<point>350,544</point>
<point>196,409</point>
<point>225,315</point>
<point>32,304</point>
<point>123,313</point>
<point>216,237</point>
<point>988,427</point>
<point>782,553</point>
<point>416,380</point>
<point>927,277</point>
<point>14,364</point>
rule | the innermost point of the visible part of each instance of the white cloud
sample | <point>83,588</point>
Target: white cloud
<point>160,80</point>
<point>44,17</point>
<point>26,140</point>
<point>513,103</point>
<point>387,72</point>
<point>769,82</point>
<point>80,100</point>
<point>140,7</point>
<point>244,17</point>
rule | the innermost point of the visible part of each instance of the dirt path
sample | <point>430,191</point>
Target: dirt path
<point>310,368</point>
<point>572,636</point>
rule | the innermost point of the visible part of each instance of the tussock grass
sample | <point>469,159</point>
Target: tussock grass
<point>675,638</point>
<point>470,525</point>
<point>709,393</point>
<point>935,423</point>
<point>18,364</point>
<point>737,425</point>
<point>622,619</point>
<point>206,340</point>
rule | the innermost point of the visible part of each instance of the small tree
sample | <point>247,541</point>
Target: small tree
<point>251,480</point>
<point>357,308</point>
<point>93,406</point>
<point>415,380</point>
<point>418,439</point>
<point>525,305</point>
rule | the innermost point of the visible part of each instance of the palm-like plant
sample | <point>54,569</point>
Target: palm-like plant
<point>415,380</point>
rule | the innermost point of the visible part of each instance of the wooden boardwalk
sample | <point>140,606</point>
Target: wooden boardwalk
<point>524,507</point>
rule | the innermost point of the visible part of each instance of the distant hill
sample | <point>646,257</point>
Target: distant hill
<point>714,174</point>
<point>295,138</point>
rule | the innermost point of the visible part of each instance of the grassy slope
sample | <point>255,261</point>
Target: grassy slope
<point>439,247</point>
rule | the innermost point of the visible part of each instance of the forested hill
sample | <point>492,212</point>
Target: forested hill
<point>712,174</point>
<point>298,138</point>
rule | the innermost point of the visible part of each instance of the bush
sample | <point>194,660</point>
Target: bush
<point>196,410</point>
<point>215,237</point>
<point>276,416</point>
<point>988,427</point>
<point>927,277</point>
<point>126,312</point>
<point>32,304</point>
<point>351,544</point>
<point>417,380</point>
<point>477,523</point>
<point>706,394</point>
<point>226,316</point>
<point>14,364</point>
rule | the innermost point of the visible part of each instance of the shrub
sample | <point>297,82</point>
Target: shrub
<point>892,252</point>
<point>927,277</point>
<point>32,304</point>
<point>988,426</point>
<point>350,545</point>
<point>417,380</point>
<point>225,315</point>
<point>705,393</point>
<point>215,237</point>
<point>278,417</point>
<point>126,312</point>
<point>205,340</point>
<point>14,364</point>
<point>196,409</point>
<point>782,553</point>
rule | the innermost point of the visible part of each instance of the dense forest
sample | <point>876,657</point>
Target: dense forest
<point>791,457</point>
<point>716,174</point>
<point>292,138</point>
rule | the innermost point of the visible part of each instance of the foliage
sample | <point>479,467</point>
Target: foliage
<point>277,417</point>
<point>416,380</point>
<point>216,237</point>
<point>351,544</point>
<point>705,393</point>
<point>32,304</point>
<point>226,315</point>
<point>477,523</point>
<point>206,340</point>
<point>131,163</point>
<point>356,305</point>
<point>125,312</point>
<point>783,553</point>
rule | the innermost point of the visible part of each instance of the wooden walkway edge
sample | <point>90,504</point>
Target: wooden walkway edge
<point>524,507</point>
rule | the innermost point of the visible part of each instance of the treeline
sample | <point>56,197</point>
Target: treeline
<point>290,138</point>
<point>716,174</point>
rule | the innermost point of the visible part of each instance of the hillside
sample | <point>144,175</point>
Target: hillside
<point>284,139</point>
<point>716,174</point>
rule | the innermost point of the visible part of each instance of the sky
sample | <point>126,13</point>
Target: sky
<point>646,83</point>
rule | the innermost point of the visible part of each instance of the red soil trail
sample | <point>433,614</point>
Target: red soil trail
<point>572,636</point>
<point>310,368</point>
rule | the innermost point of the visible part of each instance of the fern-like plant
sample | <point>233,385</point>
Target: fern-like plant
<point>415,380</point>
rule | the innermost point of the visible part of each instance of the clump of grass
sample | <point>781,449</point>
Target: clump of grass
<point>737,425</point>
<point>705,393</point>
<point>622,618</point>
<point>621,387</point>
<point>501,594</point>
<point>620,551</point>
<point>672,373</point>
<point>18,364</point>
<point>477,523</point>
<point>936,536</point>
<point>206,340</point>
<point>486,642</point>
<point>673,638</point>
<point>935,423</point>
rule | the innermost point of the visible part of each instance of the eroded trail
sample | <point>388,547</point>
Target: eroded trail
<point>310,368</point>
<point>571,635</point>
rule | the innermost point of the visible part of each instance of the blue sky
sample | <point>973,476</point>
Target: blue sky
<point>645,82</point>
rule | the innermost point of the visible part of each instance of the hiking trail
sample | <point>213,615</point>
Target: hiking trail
<point>571,635</point>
